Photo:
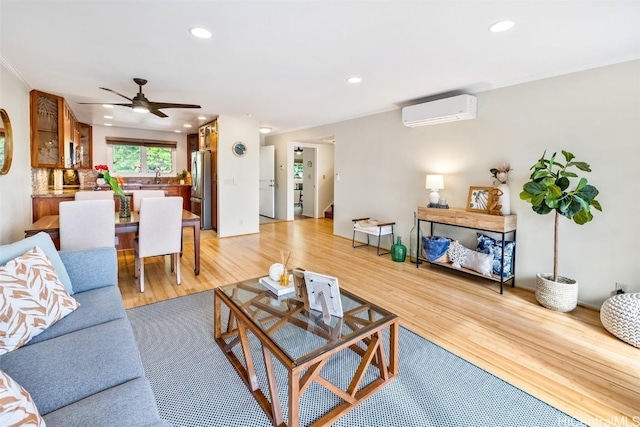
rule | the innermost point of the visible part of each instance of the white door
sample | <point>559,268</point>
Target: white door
<point>267,181</point>
<point>309,182</point>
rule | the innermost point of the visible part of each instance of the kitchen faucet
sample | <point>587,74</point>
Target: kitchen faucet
<point>157,175</point>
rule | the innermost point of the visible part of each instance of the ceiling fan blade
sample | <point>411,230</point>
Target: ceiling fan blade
<point>158,113</point>
<point>104,103</point>
<point>113,91</point>
<point>158,105</point>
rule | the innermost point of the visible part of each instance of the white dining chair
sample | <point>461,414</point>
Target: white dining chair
<point>94,195</point>
<point>138,195</point>
<point>86,224</point>
<point>159,233</point>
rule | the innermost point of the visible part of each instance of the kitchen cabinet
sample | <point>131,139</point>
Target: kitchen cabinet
<point>47,130</point>
<point>183,191</point>
<point>208,136</point>
<point>192,145</point>
<point>84,149</point>
<point>56,134</point>
<point>48,205</point>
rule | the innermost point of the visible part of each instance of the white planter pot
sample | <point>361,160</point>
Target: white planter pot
<point>558,296</point>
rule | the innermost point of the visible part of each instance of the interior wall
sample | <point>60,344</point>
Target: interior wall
<point>238,177</point>
<point>15,186</point>
<point>595,114</point>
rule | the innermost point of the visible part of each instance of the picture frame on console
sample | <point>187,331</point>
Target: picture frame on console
<point>478,199</point>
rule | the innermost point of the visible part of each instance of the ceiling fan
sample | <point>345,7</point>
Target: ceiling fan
<point>141,104</point>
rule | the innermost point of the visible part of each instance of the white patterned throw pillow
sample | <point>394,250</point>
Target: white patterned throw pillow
<point>32,298</point>
<point>457,253</point>
<point>16,406</point>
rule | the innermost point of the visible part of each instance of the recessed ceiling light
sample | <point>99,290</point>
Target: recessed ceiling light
<point>177,131</point>
<point>201,33</point>
<point>354,80</point>
<point>501,26</point>
<point>108,124</point>
<point>202,118</point>
<point>264,129</point>
<point>107,106</point>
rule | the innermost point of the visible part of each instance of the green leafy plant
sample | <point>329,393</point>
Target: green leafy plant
<point>549,191</point>
<point>183,174</point>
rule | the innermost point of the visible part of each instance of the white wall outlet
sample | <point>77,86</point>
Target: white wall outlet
<point>621,287</point>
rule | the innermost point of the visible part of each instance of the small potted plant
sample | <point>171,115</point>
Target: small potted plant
<point>182,176</point>
<point>549,191</point>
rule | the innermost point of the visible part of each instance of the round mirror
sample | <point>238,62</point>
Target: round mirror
<point>6,143</point>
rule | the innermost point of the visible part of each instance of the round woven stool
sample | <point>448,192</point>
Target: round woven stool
<point>620,315</point>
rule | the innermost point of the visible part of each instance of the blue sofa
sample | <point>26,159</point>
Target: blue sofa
<point>85,370</point>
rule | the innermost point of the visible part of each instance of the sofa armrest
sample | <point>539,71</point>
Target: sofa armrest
<point>91,268</point>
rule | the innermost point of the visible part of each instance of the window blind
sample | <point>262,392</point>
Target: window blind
<point>117,140</point>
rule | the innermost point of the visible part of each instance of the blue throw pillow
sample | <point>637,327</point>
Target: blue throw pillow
<point>489,245</point>
<point>435,247</point>
<point>44,242</point>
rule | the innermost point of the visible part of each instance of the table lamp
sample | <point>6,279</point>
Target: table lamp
<point>435,183</point>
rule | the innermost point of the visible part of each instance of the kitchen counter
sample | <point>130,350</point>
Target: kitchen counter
<point>127,188</point>
<point>46,202</point>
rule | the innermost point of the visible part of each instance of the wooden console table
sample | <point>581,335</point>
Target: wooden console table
<point>460,217</point>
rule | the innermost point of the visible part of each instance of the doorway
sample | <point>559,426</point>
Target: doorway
<point>309,189</point>
<point>267,181</point>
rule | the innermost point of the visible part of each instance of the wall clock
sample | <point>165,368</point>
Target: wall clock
<point>239,149</point>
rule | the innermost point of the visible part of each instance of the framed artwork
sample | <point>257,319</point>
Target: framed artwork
<point>323,293</point>
<point>478,200</point>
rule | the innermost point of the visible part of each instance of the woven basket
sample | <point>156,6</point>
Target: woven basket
<point>620,315</point>
<point>559,296</point>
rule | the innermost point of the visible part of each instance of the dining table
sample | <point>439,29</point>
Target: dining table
<point>51,224</point>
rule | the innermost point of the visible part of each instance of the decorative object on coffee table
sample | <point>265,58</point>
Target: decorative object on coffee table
<point>549,191</point>
<point>620,315</point>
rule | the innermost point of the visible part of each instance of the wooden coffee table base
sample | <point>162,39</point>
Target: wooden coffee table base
<point>237,327</point>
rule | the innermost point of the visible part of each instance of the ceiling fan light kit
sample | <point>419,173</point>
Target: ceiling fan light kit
<point>140,103</point>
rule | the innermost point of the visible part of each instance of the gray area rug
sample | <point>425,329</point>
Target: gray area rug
<point>195,385</point>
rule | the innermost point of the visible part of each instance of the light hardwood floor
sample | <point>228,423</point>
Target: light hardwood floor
<point>567,360</point>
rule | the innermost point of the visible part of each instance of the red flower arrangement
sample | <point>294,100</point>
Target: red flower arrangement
<point>114,182</point>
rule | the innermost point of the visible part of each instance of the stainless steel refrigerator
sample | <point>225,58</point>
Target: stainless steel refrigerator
<point>202,180</point>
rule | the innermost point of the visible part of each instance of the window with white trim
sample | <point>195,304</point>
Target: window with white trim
<point>133,156</point>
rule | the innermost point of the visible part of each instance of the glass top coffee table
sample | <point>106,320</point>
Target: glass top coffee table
<point>303,344</point>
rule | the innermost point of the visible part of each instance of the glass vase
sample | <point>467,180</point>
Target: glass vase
<point>398,251</point>
<point>414,245</point>
<point>125,207</point>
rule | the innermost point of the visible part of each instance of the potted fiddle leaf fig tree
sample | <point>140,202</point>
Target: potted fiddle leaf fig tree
<point>553,188</point>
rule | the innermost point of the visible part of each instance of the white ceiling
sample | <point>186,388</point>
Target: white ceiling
<point>286,62</point>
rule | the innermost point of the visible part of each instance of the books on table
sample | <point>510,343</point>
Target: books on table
<point>274,286</point>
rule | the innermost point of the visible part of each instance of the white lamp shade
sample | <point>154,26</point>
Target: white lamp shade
<point>434,182</point>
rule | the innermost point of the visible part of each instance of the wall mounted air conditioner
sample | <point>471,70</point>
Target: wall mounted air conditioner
<point>461,107</point>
